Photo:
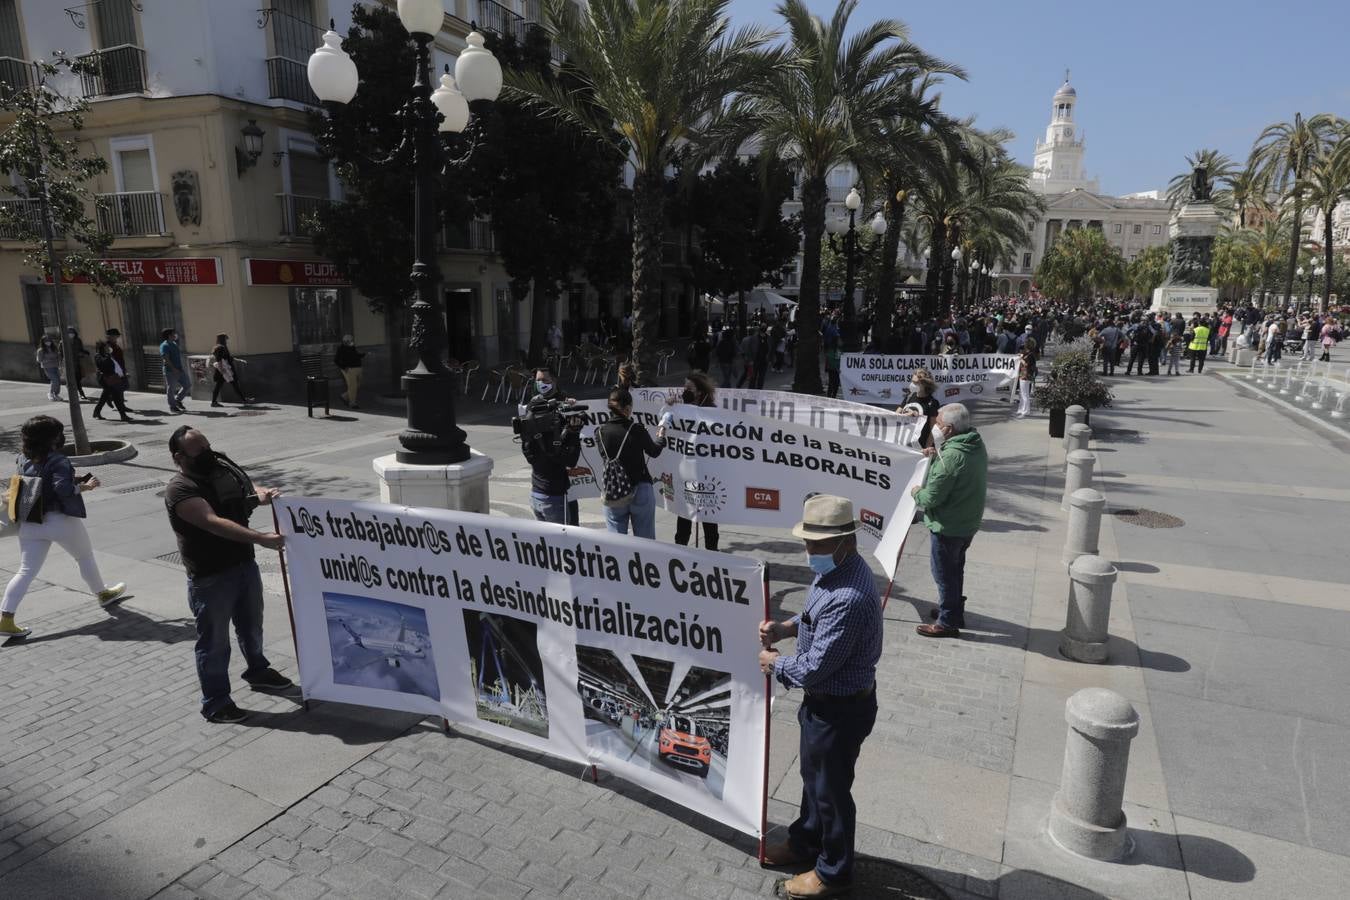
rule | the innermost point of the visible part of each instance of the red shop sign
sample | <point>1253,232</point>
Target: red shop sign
<point>293,272</point>
<point>169,271</point>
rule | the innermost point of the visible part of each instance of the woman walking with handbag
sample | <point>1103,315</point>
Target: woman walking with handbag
<point>624,444</point>
<point>224,371</point>
<point>113,381</point>
<point>60,521</point>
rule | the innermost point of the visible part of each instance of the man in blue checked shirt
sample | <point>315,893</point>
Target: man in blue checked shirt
<point>838,644</point>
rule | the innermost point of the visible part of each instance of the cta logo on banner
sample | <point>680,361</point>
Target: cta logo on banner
<point>867,376</point>
<point>595,647</point>
<point>709,449</point>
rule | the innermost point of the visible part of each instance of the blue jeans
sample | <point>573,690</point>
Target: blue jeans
<point>550,508</point>
<point>833,730</point>
<point>54,379</point>
<point>641,511</point>
<point>177,385</point>
<point>234,595</point>
<point>947,559</point>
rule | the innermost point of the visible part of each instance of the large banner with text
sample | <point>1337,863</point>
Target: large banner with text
<point>601,648</point>
<point>960,379</point>
<point>727,467</point>
<point>824,413</point>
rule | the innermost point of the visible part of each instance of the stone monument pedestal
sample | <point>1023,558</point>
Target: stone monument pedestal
<point>462,486</point>
<point>1191,230</point>
<point>1185,299</point>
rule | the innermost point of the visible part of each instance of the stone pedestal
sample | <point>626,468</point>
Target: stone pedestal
<point>1073,415</point>
<point>1085,524</point>
<point>1242,356</point>
<point>1185,299</point>
<point>1085,628</point>
<point>1076,437</point>
<point>1086,815</point>
<point>1077,474</point>
<point>462,486</point>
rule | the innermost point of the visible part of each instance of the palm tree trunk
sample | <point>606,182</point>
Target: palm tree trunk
<point>884,309</point>
<point>806,375</point>
<point>1296,231</point>
<point>1329,251</point>
<point>649,212</point>
<point>545,296</point>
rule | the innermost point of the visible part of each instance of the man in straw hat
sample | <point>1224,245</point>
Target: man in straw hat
<point>838,644</point>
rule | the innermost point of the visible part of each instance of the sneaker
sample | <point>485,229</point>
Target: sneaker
<point>12,631</point>
<point>229,714</point>
<point>111,595</point>
<point>270,680</point>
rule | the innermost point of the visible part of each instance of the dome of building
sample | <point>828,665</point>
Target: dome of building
<point>1065,90</point>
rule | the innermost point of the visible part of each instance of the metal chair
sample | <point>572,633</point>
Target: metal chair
<point>516,380</point>
<point>468,369</point>
<point>494,378</point>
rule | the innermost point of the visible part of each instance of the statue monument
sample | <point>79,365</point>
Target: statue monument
<point>1187,287</point>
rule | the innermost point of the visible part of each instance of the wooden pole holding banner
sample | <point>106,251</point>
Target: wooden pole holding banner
<point>290,609</point>
<point>768,716</point>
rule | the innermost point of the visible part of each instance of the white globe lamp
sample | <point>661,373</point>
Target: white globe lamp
<point>332,74</point>
<point>477,71</point>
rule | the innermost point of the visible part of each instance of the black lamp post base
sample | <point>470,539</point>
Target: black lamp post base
<point>432,438</point>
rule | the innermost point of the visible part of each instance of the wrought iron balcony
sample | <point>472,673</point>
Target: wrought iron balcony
<point>116,70</point>
<point>287,80</point>
<point>131,213</point>
<point>298,212</point>
<point>15,75</point>
<point>21,219</point>
<point>495,17</point>
<point>476,234</point>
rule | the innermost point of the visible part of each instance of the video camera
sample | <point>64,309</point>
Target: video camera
<point>547,418</point>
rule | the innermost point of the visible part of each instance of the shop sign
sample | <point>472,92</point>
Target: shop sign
<point>293,273</point>
<point>157,272</point>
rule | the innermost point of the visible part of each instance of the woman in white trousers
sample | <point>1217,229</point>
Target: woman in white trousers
<point>1026,375</point>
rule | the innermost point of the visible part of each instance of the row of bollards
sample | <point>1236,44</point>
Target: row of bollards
<point>1086,816</point>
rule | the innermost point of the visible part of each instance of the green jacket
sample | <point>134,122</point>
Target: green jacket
<point>953,497</point>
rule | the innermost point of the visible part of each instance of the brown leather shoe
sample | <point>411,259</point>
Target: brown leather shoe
<point>937,631</point>
<point>784,854</point>
<point>808,886</point>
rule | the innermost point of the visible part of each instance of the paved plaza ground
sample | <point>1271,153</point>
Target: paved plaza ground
<point>1230,635</point>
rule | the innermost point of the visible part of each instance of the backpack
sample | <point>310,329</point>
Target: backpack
<point>616,488</point>
<point>22,502</point>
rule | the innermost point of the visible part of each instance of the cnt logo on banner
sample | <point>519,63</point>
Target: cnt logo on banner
<point>960,379</point>
<point>595,647</point>
<point>724,466</point>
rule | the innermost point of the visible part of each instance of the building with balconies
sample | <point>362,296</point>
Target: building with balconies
<point>201,108</point>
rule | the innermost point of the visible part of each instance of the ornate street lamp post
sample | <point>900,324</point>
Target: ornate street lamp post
<point>850,330</point>
<point>956,271</point>
<point>431,436</point>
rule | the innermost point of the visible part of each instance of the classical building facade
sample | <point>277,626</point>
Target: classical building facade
<point>1130,223</point>
<point>201,108</point>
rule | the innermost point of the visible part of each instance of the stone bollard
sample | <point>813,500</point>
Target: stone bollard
<point>1085,524</point>
<point>1084,636</point>
<point>1086,816</point>
<point>1076,437</point>
<point>1073,415</point>
<point>1078,474</point>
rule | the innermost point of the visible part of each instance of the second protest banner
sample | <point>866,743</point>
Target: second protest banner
<point>591,646</point>
<point>960,379</point>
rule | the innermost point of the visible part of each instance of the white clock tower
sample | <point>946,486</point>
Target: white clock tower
<point>1059,158</point>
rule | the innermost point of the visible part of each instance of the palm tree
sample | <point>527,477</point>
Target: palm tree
<point>828,106</point>
<point>1282,154</point>
<point>1081,262</point>
<point>1267,245</point>
<point>1221,171</point>
<point>1325,184</point>
<point>662,72</point>
<point>1248,192</point>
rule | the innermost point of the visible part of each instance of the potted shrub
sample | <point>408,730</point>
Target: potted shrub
<point>1072,381</point>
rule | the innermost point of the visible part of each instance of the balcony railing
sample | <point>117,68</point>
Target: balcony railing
<point>131,213</point>
<point>495,17</point>
<point>298,212</point>
<point>15,75</point>
<point>287,79</point>
<point>476,234</point>
<point>20,219</point>
<point>116,70</point>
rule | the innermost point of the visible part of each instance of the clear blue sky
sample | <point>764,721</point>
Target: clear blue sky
<point>1156,80</point>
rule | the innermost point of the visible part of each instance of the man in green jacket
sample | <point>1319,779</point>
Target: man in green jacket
<point>953,505</point>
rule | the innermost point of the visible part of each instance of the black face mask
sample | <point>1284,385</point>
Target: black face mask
<point>203,463</point>
<point>689,396</point>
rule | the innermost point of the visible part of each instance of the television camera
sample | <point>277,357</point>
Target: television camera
<point>548,418</point>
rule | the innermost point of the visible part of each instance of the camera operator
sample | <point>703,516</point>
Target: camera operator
<point>550,451</point>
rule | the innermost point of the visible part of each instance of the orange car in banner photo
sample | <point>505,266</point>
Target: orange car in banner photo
<point>680,746</point>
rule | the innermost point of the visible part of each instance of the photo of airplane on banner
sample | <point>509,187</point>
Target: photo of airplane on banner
<point>670,718</point>
<point>380,644</point>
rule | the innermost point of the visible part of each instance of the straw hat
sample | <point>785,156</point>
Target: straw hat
<point>825,516</point>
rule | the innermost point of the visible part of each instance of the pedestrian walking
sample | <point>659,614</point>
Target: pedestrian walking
<point>224,371</point>
<point>725,352</point>
<point>348,360</point>
<point>84,362</point>
<point>1026,377</point>
<point>1274,342</point>
<point>177,385</point>
<point>1110,338</point>
<point>48,358</point>
<point>60,522</point>
<point>1331,333</point>
<point>952,499</point>
<point>838,645</point>
<point>209,503</point>
<point>627,443</point>
<point>698,391</point>
<point>112,379</point>
<point>1175,345</point>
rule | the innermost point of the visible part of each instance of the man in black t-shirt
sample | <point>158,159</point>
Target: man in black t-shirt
<point>209,503</point>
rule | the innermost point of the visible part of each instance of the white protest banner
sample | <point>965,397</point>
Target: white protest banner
<point>960,379</point>
<point>601,648</point>
<point>822,412</point>
<point>722,466</point>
